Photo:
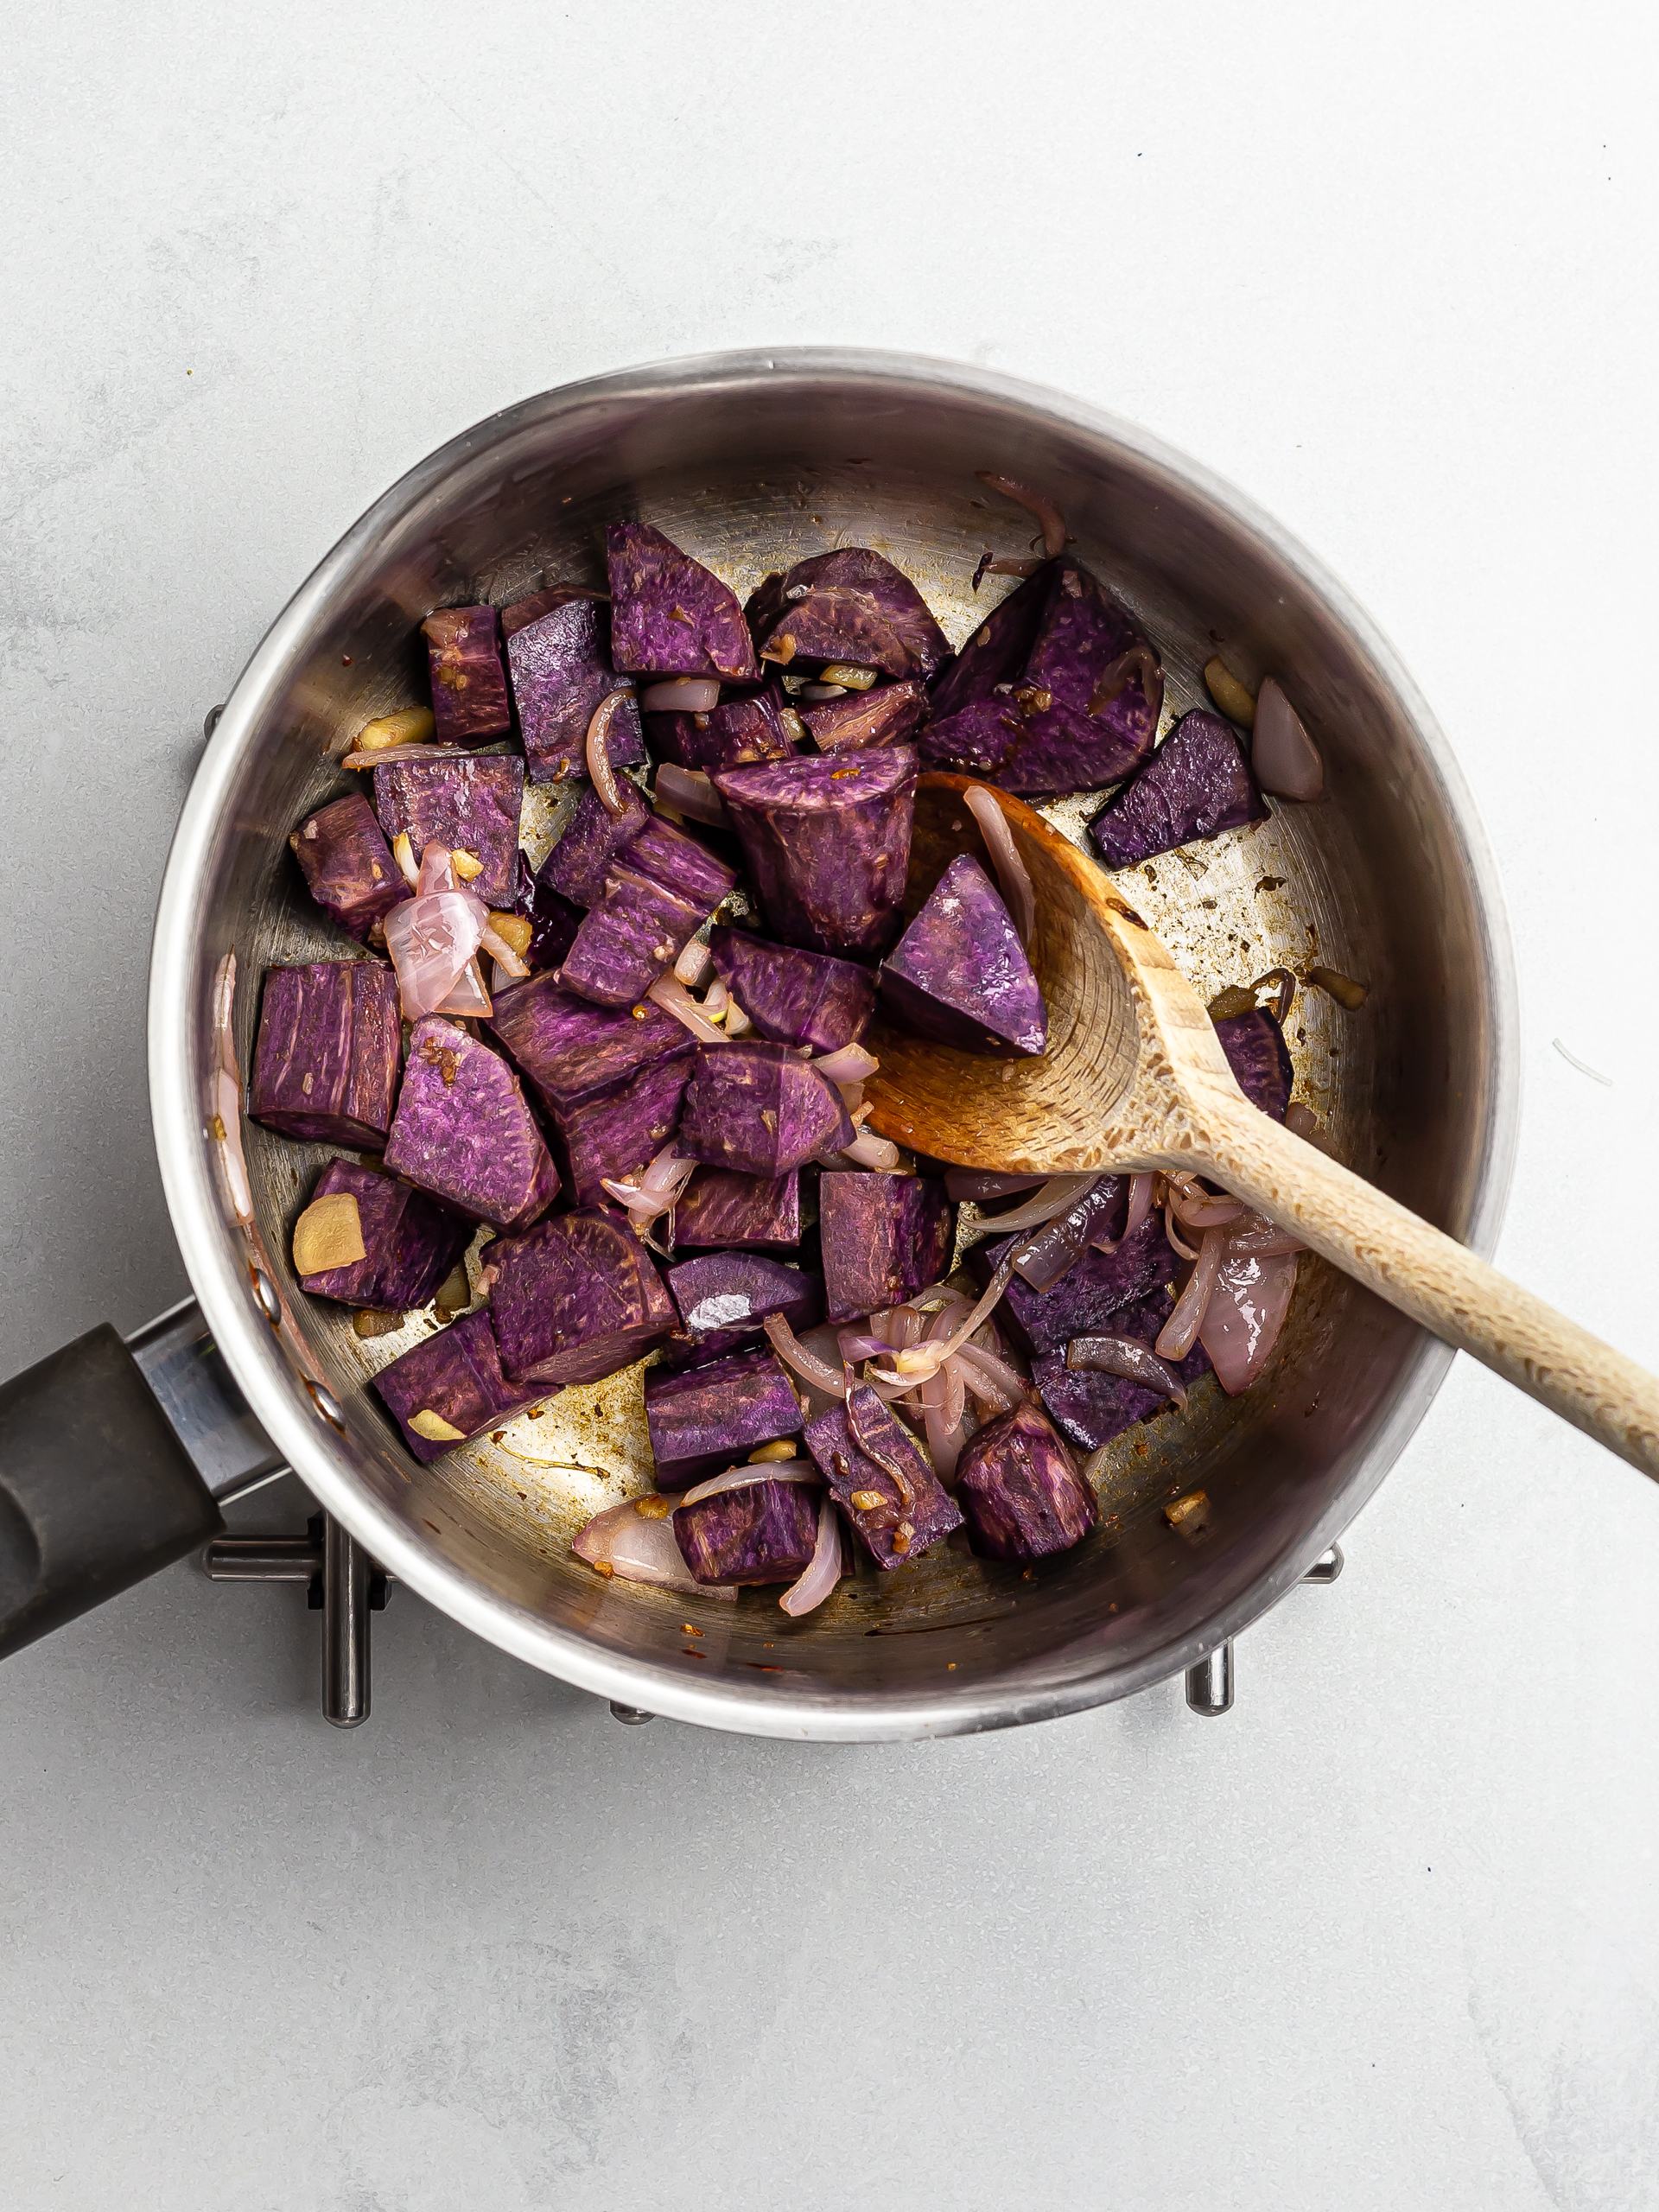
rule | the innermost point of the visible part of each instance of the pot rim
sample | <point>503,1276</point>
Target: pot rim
<point>219,1274</point>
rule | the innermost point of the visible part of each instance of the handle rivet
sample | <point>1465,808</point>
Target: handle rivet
<point>326,1404</point>
<point>265,1296</point>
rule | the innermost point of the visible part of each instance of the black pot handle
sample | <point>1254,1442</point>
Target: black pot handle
<point>99,1486</point>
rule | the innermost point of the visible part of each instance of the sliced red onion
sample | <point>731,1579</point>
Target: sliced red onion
<point>669,993</point>
<point>1283,755</point>
<point>1244,1315</point>
<point>851,1064</point>
<point>754,1471</point>
<point>1139,1200</point>
<point>1017,894</point>
<point>1124,1356</point>
<point>1262,1239</point>
<point>1179,1333</point>
<point>682,695</point>
<point>641,1550</point>
<point>469,1000</point>
<point>1139,662</point>
<point>981,1189</point>
<point>822,1569</point>
<point>1058,1192</point>
<point>1177,1242</point>
<point>505,957</point>
<point>403,853</point>
<point>818,692</point>
<point>868,1150</point>
<point>1200,1210</point>
<point>915,1364</point>
<point>1033,502</point>
<point>997,564</point>
<point>736,1021</point>
<point>819,1372</point>
<point>691,791</point>
<point>599,755</point>
<point>985,1374</point>
<point>941,1409</point>
<point>431,939</point>
<point>693,966</point>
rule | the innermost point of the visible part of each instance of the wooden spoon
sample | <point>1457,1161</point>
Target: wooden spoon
<point>1134,1077</point>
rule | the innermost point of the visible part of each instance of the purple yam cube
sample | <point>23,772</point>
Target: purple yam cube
<point>794,997</point>
<point>456,1379</point>
<point>639,928</point>
<point>886,715</point>
<point>409,1241</point>
<point>524,611</point>
<point>683,865</point>
<point>1082,1302</point>
<point>570,1049</point>
<point>1040,698</point>
<point>670,615</point>
<point>575,1298</point>
<point>959,974</point>
<point>1020,1494</point>
<point>883,1238</point>
<point>727,736</point>
<point>1259,1057</point>
<point>470,805</point>
<point>469,685</point>
<point>613,1133</point>
<point>761,1109</point>
<point>705,1419</point>
<point>849,605</point>
<point>1091,1409</point>
<point>762,1531</point>
<point>1195,785</point>
<point>325,1067</point>
<point>348,864</point>
<point>723,1211</point>
<point>560,664</point>
<point>724,1297</point>
<point>464,1131</point>
<point>592,842</point>
<point>916,1505</point>
<point>827,841</point>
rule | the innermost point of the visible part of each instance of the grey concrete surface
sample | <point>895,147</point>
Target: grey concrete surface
<point>1386,1937</point>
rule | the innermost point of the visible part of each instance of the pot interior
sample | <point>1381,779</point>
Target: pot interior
<point>751,464</point>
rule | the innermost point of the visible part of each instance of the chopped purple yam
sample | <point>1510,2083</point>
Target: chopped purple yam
<point>886,716</point>
<point>348,864</point>
<point>325,1067</point>
<point>724,1297</point>
<point>760,1110</point>
<point>638,928</point>
<point>592,842</point>
<point>928,1512</point>
<point>883,1238</point>
<point>409,1241</point>
<point>561,668</point>
<point>524,611</point>
<point>681,864</point>
<point>469,805</point>
<point>792,996</point>
<point>827,841</point>
<point>727,736</point>
<point>613,1133</point>
<point>959,974</point>
<point>1022,702</point>
<point>464,1131</point>
<point>1091,1409</point>
<point>1197,784</point>
<point>705,1419</point>
<point>1020,1494</point>
<point>723,1211</point>
<point>759,1532</point>
<point>1082,1302</point>
<point>568,1049</point>
<point>470,704</point>
<point>1259,1057</point>
<point>456,1379</point>
<point>849,605</point>
<point>670,615</point>
<point>575,1298</point>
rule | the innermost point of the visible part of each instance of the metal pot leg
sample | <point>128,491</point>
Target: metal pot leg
<point>342,1583</point>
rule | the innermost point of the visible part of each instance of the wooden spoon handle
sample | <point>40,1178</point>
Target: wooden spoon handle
<point>1434,1279</point>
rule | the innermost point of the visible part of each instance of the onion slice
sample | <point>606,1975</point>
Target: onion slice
<point>504,956</point>
<point>1245,1314</point>
<point>670,994</point>
<point>682,695</point>
<point>1284,757</point>
<point>597,752</point>
<point>997,564</point>
<point>1179,1333</point>
<point>690,791</point>
<point>641,1550</point>
<point>1017,894</point>
<point>822,1570</point>
<point>1035,504</point>
<point>819,1372</point>
<point>1139,662</point>
<point>693,965</point>
<point>981,1189</point>
<point>754,1471</point>
<point>1140,1187</point>
<point>1058,1192</point>
<point>868,1150</point>
<point>1124,1356</point>
<point>850,1063</point>
<point>431,939</point>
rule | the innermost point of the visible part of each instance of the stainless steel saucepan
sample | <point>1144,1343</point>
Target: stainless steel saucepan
<point>751,461</point>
